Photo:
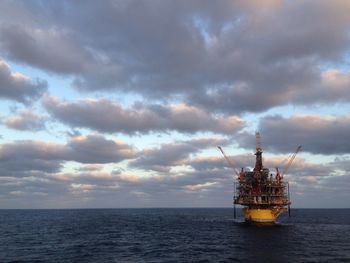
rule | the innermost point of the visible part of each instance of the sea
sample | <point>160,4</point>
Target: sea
<point>172,235</point>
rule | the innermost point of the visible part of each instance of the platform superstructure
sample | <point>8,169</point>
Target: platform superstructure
<point>264,195</point>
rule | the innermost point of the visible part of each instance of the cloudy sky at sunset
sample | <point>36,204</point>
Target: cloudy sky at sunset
<point>121,103</point>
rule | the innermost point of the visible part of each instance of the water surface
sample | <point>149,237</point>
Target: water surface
<point>171,235</point>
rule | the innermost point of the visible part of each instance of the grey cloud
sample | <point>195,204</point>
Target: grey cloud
<point>258,87</point>
<point>34,190</point>
<point>22,158</point>
<point>307,36</point>
<point>19,157</point>
<point>32,150</point>
<point>52,50</point>
<point>228,57</point>
<point>26,120</point>
<point>338,184</point>
<point>26,166</point>
<point>207,163</point>
<point>18,87</point>
<point>316,133</point>
<point>97,149</point>
<point>90,167</point>
<point>107,116</point>
<point>162,158</point>
<point>343,162</point>
<point>218,162</point>
<point>333,86</point>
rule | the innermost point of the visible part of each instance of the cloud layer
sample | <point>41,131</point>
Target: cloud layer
<point>162,158</point>
<point>105,115</point>
<point>172,79</point>
<point>21,158</point>
<point>230,57</point>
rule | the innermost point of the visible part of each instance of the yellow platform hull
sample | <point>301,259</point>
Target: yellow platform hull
<point>262,215</point>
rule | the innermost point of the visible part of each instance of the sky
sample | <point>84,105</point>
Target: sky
<point>122,103</point>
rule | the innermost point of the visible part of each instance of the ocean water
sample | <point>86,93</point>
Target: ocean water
<point>171,235</point>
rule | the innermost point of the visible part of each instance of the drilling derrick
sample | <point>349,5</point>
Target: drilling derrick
<point>263,195</point>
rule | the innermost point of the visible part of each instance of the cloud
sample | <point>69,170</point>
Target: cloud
<point>52,49</point>
<point>168,155</point>
<point>29,167</point>
<point>21,158</point>
<point>18,87</point>
<point>332,87</point>
<point>27,158</point>
<point>199,187</point>
<point>90,167</point>
<point>238,161</point>
<point>232,57</point>
<point>105,115</point>
<point>98,149</point>
<point>316,133</point>
<point>26,120</point>
<point>208,163</point>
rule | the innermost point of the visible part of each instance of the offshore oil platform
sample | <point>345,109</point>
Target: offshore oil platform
<point>263,195</point>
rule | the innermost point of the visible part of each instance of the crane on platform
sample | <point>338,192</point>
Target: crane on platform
<point>290,161</point>
<point>234,183</point>
<point>228,160</point>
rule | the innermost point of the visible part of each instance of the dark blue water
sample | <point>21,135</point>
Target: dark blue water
<point>171,235</point>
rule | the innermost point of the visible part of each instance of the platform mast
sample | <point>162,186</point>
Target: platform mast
<point>258,163</point>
